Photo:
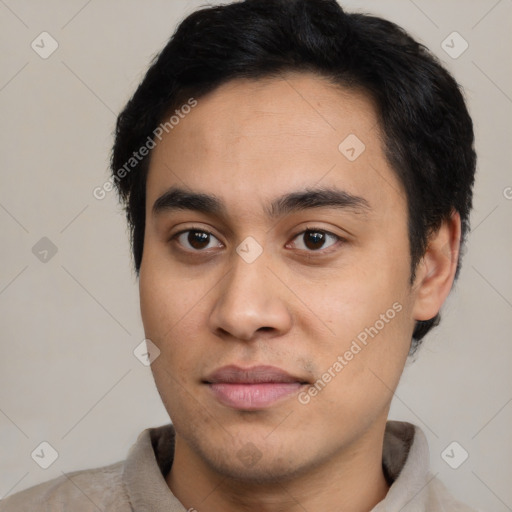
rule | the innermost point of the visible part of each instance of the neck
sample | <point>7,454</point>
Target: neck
<point>351,481</point>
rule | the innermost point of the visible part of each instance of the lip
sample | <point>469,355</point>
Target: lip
<point>252,388</point>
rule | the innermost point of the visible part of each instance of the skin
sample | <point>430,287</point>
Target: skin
<point>294,307</point>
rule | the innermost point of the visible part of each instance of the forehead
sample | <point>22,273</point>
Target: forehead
<point>252,139</point>
<point>295,106</point>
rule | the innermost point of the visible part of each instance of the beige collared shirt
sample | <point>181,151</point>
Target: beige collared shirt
<point>138,484</point>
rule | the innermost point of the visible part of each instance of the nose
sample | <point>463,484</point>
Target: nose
<point>250,302</point>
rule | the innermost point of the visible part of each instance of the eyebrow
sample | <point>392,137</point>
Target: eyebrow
<point>180,199</point>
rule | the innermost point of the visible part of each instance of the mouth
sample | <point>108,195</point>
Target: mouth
<point>252,388</point>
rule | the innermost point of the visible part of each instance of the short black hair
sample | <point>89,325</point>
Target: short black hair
<point>427,130</point>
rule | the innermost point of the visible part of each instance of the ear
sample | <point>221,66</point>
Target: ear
<point>436,270</point>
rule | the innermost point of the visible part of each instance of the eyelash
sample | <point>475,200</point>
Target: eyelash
<point>338,238</point>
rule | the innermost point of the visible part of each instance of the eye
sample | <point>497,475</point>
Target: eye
<point>197,239</point>
<point>314,239</point>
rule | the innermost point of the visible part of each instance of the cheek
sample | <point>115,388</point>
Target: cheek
<point>171,309</point>
<point>166,298</point>
<point>359,371</point>
<point>355,298</point>
<point>369,315</point>
<point>169,318</point>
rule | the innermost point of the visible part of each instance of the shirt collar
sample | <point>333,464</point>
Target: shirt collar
<point>405,461</point>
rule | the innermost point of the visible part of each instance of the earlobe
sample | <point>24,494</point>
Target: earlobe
<point>436,271</point>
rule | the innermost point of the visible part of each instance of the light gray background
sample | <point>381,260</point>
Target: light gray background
<point>70,325</point>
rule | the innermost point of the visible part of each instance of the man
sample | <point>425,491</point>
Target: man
<point>298,182</point>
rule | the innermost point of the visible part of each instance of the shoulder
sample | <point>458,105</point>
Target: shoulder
<point>406,458</point>
<point>82,491</point>
<point>440,498</point>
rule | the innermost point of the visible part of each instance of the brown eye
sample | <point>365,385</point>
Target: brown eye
<point>195,239</point>
<point>315,239</point>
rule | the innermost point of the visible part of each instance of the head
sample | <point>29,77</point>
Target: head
<point>322,163</point>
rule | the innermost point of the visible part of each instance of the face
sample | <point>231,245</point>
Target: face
<point>304,298</point>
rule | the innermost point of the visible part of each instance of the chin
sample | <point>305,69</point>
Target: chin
<point>271,468</point>
<point>251,459</point>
